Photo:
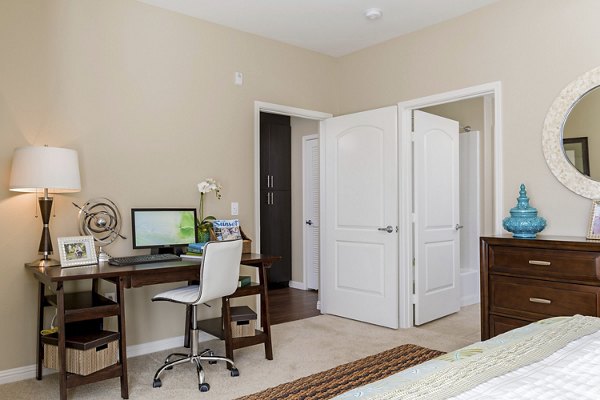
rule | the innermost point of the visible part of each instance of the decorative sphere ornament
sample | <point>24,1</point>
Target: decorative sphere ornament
<point>523,221</point>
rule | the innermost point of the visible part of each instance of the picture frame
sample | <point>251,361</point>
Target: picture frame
<point>576,150</point>
<point>594,225</point>
<point>77,250</point>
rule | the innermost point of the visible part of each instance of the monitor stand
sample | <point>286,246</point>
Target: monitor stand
<point>168,250</point>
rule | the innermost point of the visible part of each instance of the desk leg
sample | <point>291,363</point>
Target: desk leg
<point>62,359</point>
<point>264,311</point>
<point>122,341</point>
<point>228,336</point>
<point>40,326</point>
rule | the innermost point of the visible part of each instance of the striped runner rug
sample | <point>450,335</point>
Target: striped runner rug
<point>327,384</point>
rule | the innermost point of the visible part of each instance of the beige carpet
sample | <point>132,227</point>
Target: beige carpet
<point>300,348</point>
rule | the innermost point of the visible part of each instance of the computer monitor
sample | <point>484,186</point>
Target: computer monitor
<point>163,229</point>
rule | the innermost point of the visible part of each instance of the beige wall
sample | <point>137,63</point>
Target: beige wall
<point>300,127</point>
<point>147,98</point>
<point>534,47</point>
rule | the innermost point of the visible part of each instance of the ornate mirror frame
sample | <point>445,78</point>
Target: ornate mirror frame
<point>552,136</point>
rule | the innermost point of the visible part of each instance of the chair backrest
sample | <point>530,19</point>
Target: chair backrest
<point>220,269</point>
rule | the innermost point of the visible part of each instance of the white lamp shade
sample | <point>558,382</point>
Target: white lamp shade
<point>52,168</point>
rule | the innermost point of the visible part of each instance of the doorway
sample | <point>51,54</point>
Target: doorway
<point>491,214</point>
<point>303,123</point>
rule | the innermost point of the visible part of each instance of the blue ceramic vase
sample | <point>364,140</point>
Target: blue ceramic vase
<point>523,221</point>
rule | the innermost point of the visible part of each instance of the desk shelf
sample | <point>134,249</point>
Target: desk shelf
<point>216,326</point>
<point>81,329</point>
<point>82,306</point>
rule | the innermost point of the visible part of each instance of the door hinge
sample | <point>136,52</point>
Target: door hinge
<point>413,299</point>
<point>414,263</point>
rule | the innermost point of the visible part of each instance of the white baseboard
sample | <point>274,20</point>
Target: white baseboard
<point>297,285</point>
<point>28,372</point>
<point>469,288</point>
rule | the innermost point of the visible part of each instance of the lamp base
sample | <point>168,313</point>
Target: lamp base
<point>49,262</point>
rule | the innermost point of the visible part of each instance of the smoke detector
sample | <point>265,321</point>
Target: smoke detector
<point>373,13</point>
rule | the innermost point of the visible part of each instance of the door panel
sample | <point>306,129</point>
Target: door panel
<point>359,193</point>
<point>311,182</point>
<point>436,208</point>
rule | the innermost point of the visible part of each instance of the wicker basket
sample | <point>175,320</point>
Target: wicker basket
<point>91,357</point>
<point>243,321</point>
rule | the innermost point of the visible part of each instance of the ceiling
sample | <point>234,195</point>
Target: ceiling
<point>333,27</point>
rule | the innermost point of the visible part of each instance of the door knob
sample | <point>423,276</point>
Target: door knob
<point>309,222</point>
<point>388,229</point>
<point>457,227</point>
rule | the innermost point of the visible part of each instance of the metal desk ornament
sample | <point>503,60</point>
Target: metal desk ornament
<point>101,219</point>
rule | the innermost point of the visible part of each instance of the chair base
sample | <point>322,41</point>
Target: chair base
<point>206,355</point>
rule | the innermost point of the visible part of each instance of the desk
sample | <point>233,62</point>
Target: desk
<point>96,306</point>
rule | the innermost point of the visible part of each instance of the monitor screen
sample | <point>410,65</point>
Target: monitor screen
<point>163,227</point>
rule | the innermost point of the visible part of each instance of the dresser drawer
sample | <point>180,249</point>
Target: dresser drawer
<point>500,325</point>
<point>537,299</point>
<point>545,263</point>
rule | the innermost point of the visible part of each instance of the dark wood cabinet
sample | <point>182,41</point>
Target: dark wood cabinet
<point>275,152</point>
<point>276,200</point>
<point>526,280</point>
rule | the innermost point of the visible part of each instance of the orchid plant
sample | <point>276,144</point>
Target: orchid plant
<point>205,187</point>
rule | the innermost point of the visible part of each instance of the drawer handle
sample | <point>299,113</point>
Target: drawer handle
<point>536,262</point>
<point>538,300</point>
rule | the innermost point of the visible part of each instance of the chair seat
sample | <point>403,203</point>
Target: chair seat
<point>184,294</point>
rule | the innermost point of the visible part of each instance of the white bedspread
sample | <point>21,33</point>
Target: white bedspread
<point>573,372</point>
<point>556,358</point>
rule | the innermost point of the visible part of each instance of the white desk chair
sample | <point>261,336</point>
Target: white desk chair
<point>219,273</point>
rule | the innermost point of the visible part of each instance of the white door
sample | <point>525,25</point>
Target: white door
<point>359,268</point>
<point>436,209</point>
<point>310,182</point>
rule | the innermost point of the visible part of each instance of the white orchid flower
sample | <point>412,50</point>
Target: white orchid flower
<point>203,187</point>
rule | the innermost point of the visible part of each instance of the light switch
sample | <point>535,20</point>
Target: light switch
<point>235,210</point>
<point>238,78</point>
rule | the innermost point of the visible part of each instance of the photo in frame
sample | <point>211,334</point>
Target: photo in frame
<point>594,227</point>
<point>76,250</point>
<point>576,150</point>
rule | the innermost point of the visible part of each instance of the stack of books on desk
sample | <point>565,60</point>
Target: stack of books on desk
<point>194,250</point>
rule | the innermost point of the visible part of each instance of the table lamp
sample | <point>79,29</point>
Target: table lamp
<point>51,169</point>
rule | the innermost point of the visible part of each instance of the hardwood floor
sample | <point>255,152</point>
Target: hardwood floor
<point>287,304</point>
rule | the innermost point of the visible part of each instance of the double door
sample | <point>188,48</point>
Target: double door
<point>276,199</point>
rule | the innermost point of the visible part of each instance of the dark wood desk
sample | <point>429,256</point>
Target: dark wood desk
<point>96,306</point>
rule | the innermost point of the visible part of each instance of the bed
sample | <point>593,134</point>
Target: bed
<point>556,358</point>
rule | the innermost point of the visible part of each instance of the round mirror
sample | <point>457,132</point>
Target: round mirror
<point>571,136</point>
<point>581,135</point>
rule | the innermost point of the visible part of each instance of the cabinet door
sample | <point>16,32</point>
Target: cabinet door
<point>275,237</point>
<point>275,152</point>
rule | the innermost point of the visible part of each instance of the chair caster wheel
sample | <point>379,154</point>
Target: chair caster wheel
<point>204,387</point>
<point>235,372</point>
<point>156,383</point>
<point>169,368</point>
<point>213,362</point>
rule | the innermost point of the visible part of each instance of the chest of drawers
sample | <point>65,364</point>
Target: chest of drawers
<point>525,280</point>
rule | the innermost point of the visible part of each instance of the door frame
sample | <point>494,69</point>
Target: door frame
<point>261,106</point>
<point>305,249</point>
<point>405,164</point>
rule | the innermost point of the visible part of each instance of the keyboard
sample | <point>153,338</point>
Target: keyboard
<point>143,259</point>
